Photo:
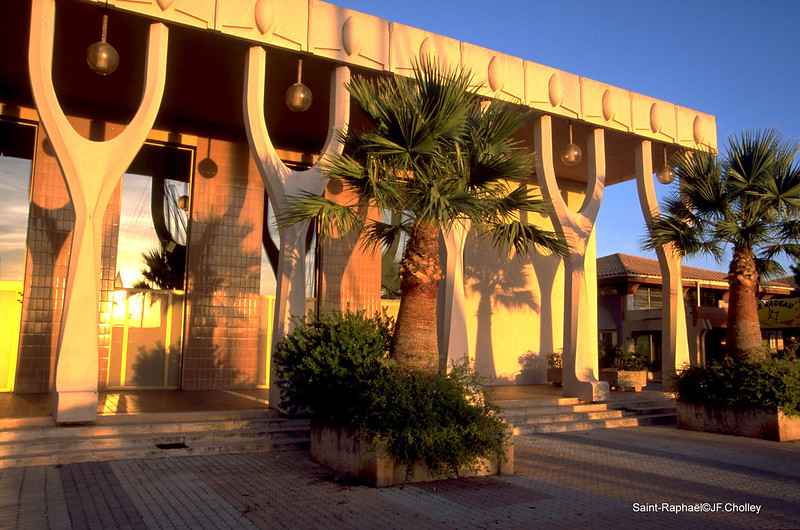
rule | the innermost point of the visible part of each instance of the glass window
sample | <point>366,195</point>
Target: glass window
<point>16,162</point>
<point>647,298</point>
<point>154,215</point>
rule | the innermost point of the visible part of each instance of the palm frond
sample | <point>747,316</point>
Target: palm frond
<point>522,238</point>
<point>332,219</point>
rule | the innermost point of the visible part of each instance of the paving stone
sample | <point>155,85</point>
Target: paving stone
<point>595,479</point>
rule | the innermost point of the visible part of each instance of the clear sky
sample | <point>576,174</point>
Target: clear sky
<point>735,59</point>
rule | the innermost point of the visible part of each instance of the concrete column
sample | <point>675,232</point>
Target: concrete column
<point>674,337</point>
<point>453,343</point>
<point>282,183</point>
<point>91,171</point>
<point>580,367</point>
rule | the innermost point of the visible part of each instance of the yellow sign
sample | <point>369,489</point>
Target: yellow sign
<point>779,313</point>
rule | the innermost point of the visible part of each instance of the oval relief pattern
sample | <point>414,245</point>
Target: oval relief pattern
<point>265,16</point>
<point>351,38</point>
<point>655,118</point>
<point>555,91</point>
<point>609,105</point>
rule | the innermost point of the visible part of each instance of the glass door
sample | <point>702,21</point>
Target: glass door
<point>17,141</point>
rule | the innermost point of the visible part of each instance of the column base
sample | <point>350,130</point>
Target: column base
<point>587,390</point>
<point>75,406</point>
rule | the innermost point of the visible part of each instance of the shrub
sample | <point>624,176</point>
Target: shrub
<point>554,359</point>
<point>328,366</point>
<point>337,369</point>
<point>772,382</point>
<point>447,424</point>
<point>629,361</point>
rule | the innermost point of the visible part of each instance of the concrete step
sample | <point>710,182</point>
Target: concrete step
<point>514,411</point>
<point>39,442</point>
<point>567,416</point>
<point>540,416</point>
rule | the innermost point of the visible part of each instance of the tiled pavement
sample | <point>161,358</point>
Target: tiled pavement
<point>589,479</point>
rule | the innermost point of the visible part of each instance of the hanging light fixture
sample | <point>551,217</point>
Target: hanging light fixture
<point>571,154</point>
<point>665,174</point>
<point>298,96</point>
<point>103,59</point>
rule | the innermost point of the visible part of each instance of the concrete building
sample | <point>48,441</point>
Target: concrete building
<point>630,298</point>
<point>188,148</point>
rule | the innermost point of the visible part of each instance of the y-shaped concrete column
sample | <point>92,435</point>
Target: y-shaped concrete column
<point>580,289</point>
<point>674,339</point>
<point>453,343</point>
<point>282,182</point>
<point>92,171</point>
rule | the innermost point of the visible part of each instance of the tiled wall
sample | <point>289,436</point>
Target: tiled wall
<point>49,236</point>
<point>349,275</point>
<point>224,263</point>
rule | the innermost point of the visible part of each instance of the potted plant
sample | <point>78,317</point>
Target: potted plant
<point>629,371</point>
<point>554,368</point>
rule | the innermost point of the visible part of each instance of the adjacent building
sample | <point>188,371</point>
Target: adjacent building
<point>630,302</point>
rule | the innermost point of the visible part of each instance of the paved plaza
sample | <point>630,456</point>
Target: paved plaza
<point>651,477</point>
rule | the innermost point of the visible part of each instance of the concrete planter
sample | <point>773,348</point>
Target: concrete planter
<point>758,422</point>
<point>554,375</point>
<point>338,449</point>
<point>529,376</point>
<point>623,379</point>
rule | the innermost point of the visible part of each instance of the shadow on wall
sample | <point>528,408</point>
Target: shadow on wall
<point>498,283</point>
<point>153,367</point>
<point>51,228</point>
<point>223,272</point>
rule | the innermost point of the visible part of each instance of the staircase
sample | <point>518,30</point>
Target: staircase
<point>38,441</point>
<point>547,415</point>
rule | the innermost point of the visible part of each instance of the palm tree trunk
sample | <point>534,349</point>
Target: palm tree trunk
<point>415,342</point>
<point>743,336</point>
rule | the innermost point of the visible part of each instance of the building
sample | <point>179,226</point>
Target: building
<point>630,302</point>
<point>188,148</point>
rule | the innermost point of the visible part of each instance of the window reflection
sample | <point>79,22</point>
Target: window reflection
<point>16,153</point>
<point>154,214</point>
<point>145,258</point>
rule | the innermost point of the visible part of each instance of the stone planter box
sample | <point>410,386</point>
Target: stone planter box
<point>759,422</point>
<point>529,376</point>
<point>554,375</point>
<point>338,449</point>
<point>623,379</point>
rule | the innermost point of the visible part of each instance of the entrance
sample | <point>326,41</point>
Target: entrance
<point>148,300</point>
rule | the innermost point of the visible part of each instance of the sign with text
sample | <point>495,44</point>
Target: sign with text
<point>779,313</point>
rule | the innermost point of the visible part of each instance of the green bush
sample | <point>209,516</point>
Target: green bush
<point>448,423</point>
<point>328,366</point>
<point>336,368</point>
<point>773,382</point>
<point>628,360</point>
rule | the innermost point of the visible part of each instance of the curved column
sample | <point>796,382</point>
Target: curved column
<point>674,338</point>
<point>453,343</point>
<point>580,278</point>
<point>282,182</point>
<point>92,171</point>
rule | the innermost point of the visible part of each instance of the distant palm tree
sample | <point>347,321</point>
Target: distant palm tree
<point>436,154</point>
<point>747,199</point>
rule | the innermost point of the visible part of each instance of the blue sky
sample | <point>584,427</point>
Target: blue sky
<point>735,59</point>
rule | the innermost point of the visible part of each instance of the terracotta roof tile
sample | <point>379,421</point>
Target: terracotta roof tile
<point>627,265</point>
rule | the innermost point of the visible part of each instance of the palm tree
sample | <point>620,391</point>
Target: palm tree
<point>435,154</point>
<point>747,200</point>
